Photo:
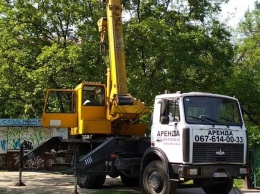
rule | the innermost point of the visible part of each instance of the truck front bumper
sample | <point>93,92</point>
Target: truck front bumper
<point>213,170</point>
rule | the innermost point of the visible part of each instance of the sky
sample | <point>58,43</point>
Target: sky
<point>235,9</point>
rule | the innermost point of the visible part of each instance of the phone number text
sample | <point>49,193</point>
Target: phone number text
<point>217,139</point>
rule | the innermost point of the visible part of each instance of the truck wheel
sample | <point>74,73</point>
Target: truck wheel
<point>156,179</point>
<point>217,188</point>
<point>84,180</point>
<point>129,181</point>
<point>91,181</point>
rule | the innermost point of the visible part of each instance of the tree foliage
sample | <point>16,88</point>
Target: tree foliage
<point>246,78</point>
<point>40,49</point>
<point>179,46</point>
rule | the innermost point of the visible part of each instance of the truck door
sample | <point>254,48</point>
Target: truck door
<point>168,132</point>
<point>60,109</point>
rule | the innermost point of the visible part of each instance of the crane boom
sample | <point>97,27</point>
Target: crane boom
<point>116,48</point>
<point>117,90</point>
<point>112,25</point>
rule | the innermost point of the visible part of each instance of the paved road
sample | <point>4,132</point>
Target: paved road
<point>50,183</point>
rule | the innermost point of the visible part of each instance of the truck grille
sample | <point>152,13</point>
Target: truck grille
<point>207,153</point>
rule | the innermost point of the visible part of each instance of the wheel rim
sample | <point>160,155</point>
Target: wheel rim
<point>156,181</point>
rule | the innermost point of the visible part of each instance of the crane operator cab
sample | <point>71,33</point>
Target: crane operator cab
<point>82,109</point>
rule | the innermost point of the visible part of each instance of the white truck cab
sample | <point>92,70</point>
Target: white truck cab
<point>199,137</point>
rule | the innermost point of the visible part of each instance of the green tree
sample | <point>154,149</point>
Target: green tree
<point>245,82</point>
<point>45,44</point>
<point>55,44</point>
<point>179,47</point>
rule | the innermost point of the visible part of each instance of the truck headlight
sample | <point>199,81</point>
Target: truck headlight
<point>192,171</point>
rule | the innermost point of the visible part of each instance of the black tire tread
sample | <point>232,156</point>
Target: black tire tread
<point>217,188</point>
<point>91,181</point>
<point>169,187</point>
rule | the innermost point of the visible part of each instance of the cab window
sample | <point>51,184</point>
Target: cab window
<point>170,111</point>
<point>61,102</point>
<point>93,95</point>
<point>174,111</point>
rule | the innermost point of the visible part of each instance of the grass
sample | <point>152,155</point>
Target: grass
<point>238,183</point>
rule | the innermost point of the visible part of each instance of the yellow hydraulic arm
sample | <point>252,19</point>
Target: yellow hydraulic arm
<point>113,26</point>
<point>121,104</point>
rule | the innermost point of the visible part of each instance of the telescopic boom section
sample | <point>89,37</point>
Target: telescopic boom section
<point>116,51</point>
<point>121,104</point>
<point>117,84</point>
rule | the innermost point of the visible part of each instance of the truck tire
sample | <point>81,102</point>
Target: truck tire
<point>91,181</point>
<point>129,181</point>
<point>217,188</point>
<point>114,175</point>
<point>156,180</point>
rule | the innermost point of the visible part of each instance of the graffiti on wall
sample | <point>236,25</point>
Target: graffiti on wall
<point>60,132</point>
<point>3,140</point>
<point>13,137</point>
<point>3,162</point>
<point>38,135</point>
<point>13,132</point>
<point>34,163</point>
<point>35,135</point>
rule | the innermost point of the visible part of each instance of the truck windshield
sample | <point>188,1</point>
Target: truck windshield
<point>212,111</point>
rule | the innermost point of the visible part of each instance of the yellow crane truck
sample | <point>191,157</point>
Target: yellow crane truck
<point>100,116</point>
<point>194,136</point>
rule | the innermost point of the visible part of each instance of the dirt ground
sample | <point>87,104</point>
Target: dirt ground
<point>54,183</point>
<point>62,183</point>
